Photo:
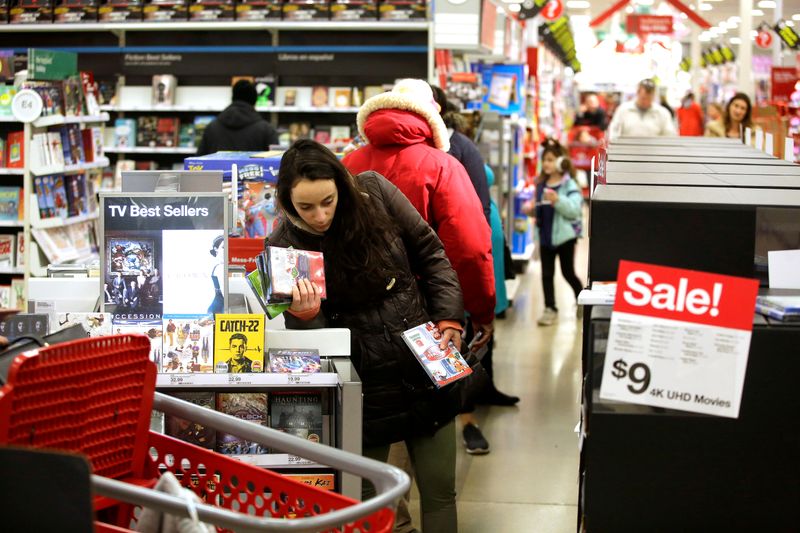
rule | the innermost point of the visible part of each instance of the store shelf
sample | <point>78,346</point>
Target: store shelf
<point>11,270</point>
<point>284,109</point>
<point>70,169</point>
<point>12,171</point>
<point>58,222</point>
<point>8,118</point>
<point>276,460</point>
<point>238,381</point>
<point>150,150</point>
<point>220,26</point>
<point>11,223</point>
<point>219,108</point>
<point>57,120</point>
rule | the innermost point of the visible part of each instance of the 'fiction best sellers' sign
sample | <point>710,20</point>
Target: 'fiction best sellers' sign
<point>679,339</point>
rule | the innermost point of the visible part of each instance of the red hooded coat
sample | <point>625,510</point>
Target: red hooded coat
<point>402,148</point>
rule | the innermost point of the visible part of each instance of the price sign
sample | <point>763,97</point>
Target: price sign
<point>679,339</point>
<point>27,105</point>
<point>298,379</point>
<point>295,460</point>
<point>182,379</point>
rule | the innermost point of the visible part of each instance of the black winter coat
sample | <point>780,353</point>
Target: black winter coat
<point>463,149</point>
<point>238,128</point>
<point>400,400</point>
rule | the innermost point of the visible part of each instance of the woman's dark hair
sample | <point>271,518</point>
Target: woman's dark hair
<point>449,111</point>
<point>748,117</point>
<point>218,240</point>
<point>358,247</point>
<point>552,146</point>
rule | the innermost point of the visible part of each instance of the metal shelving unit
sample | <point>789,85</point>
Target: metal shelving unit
<point>220,26</point>
<point>151,150</point>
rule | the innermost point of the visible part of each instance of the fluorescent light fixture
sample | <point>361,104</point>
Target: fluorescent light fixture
<point>724,25</point>
<point>721,31</point>
<point>578,4</point>
<point>714,31</point>
<point>515,8</point>
<point>706,7</point>
<point>796,16</point>
<point>704,38</point>
<point>757,13</point>
<point>734,20</point>
<point>767,4</point>
<point>736,40</point>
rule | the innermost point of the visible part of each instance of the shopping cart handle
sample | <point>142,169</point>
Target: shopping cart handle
<point>390,482</point>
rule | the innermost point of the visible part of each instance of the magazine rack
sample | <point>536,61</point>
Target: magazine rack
<point>94,397</point>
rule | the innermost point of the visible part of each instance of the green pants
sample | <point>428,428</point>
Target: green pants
<point>434,462</point>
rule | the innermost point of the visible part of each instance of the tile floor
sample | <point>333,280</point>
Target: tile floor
<point>529,481</point>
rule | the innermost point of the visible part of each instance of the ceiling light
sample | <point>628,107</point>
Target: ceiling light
<point>753,33</point>
<point>757,13</point>
<point>734,20</point>
<point>706,7</point>
<point>796,16</point>
<point>578,4</point>
<point>767,4</point>
<point>736,40</point>
<point>704,38</point>
<point>629,10</point>
<point>714,31</point>
<point>515,8</point>
<point>789,23</point>
<point>722,30</point>
<point>723,25</point>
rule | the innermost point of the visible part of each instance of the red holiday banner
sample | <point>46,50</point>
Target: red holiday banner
<point>686,295</point>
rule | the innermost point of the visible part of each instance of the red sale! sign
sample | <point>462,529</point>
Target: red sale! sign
<point>686,295</point>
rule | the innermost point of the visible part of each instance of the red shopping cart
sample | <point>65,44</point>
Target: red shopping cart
<point>94,397</point>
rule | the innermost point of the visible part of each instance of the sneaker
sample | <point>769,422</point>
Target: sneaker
<point>549,317</point>
<point>474,440</point>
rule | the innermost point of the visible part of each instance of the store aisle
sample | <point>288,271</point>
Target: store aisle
<point>529,481</point>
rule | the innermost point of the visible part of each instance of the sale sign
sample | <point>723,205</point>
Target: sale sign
<point>679,339</point>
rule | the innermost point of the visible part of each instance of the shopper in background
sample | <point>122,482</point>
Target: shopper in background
<point>690,117</point>
<point>714,112</point>
<point>408,142</point>
<point>591,114</point>
<point>642,117</point>
<point>737,116</point>
<point>386,271</point>
<point>239,127</point>
<point>559,213</point>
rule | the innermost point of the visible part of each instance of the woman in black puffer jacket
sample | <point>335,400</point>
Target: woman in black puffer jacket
<point>386,272</point>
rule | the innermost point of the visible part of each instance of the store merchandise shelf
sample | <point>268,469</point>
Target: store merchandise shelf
<point>527,255</point>
<point>8,118</point>
<point>276,460</point>
<point>12,171</point>
<point>285,109</point>
<point>220,26</point>
<point>70,169</point>
<point>11,270</point>
<point>57,222</point>
<point>218,108</point>
<point>11,223</point>
<point>57,120</point>
<point>239,381</point>
<point>151,150</point>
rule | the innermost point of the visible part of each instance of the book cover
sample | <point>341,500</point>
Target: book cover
<point>167,130</point>
<point>24,324</point>
<point>294,361</point>
<point>188,431</point>
<point>442,366</point>
<point>18,294</point>
<point>7,250</point>
<point>9,203</point>
<point>324,481</point>
<point>52,97</point>
<point>186,137</point>
<point>319,96</point>
<point>41,197</point>
<point>322,134</point>
<point>265,90</point>
<point>258,207</point>
<point>340,134</point>
<point>342,97</point>
<point>164,87</point>
<point>3,153</point>
<point>55,149</point>
<point>200,124</point>
<point>76,195</point>
<point>150,328</point>
<point>91,97</point>
<point>5,296</point>
<point>94,324</point>
<point>73,97</point>
<point>92,144</point>
<point>79,236</point>
<point>66,147</point>
<point>75,144</point>
<point>39,152</point>
<point>249,406</point>
<point>286,265</point>
<point>187,344</point>
<point>7,93</point>
<point>297,413</point>
<point>60,197</point>
<point>46,64</point>
<point>16,149</point>
<point>147,131</point>
<point>125,133</point>
<point>20,249</point>
<point>239,343</point>
<point>373,90</point>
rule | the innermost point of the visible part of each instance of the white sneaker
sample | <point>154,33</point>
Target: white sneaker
<point>548,318</point>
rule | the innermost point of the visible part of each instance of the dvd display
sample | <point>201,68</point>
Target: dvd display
<point>297,413</point>
<point>187,344</point>
<point>239,343</point>
<point>294,361</point>
<point>189,431</point>
<point>250,406</point>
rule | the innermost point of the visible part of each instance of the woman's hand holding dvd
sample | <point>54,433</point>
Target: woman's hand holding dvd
<point>451,335</point>
<point>306,299</point>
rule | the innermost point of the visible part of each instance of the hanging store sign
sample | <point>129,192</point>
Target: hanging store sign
<point>553,10</point>
<point>679,339</point>
<point>531,8</point>
<point>787,35</point>
<point>649,24</point>
<point>783,82</point>
<point>764,38</point>
<point>686,64</point>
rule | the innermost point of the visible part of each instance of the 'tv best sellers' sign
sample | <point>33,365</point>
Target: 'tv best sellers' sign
<point>679,339</point>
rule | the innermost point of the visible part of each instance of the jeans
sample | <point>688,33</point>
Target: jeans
<point>566,255</point>
<point>434,462</point>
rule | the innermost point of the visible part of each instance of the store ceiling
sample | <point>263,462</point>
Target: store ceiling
<point>720,10</point>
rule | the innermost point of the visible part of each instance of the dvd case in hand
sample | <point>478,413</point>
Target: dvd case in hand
<point>298,414</point>
<point>442,366</point>
<point>294,361</point>
<point>250,406</point>
<point>285,266</point>
<point>190,431</point>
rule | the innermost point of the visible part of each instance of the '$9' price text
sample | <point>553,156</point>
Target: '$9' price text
<point>639,374</point>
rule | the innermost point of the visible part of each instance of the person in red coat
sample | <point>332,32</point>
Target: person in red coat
<point>690,117</point>
<point>408,144</point>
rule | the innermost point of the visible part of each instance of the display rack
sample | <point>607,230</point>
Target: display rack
<point>220,26</point>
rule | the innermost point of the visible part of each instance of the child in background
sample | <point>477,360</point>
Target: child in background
<point>559,212</point>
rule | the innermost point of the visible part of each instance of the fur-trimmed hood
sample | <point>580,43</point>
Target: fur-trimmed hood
<point>401,102</point>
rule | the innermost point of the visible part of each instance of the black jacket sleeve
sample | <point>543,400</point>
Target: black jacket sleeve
<point>270,135</point>
<point>437,279</point>
<point>203,148</point>
<point>468,155</point>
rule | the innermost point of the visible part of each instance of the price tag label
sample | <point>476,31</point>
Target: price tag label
<point>27,105</point>
<point>298,379</point>
<point>679,339</point>
<point>295,460</point>
<point>181,379</point>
